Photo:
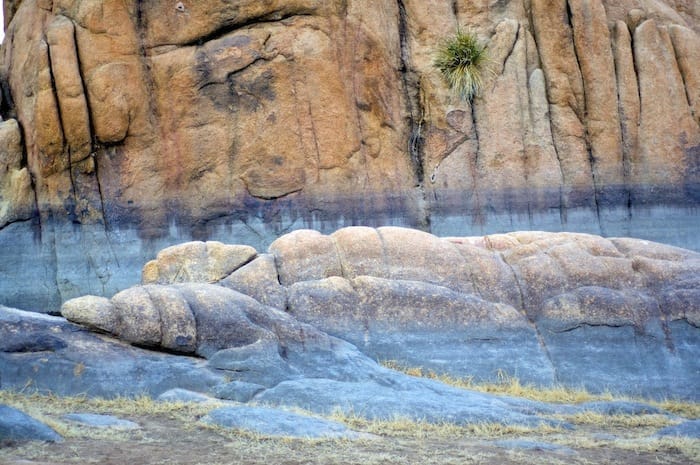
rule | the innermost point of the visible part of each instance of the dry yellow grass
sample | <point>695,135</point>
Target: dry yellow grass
<point>511,386</point>
<point>172,431</point>
<point>49,409</point>
<point>406,427</point>
<point>620,421</point>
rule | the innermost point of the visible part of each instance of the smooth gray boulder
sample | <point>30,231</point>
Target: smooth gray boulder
<point>53,355</point>
<point>688,429</point>
<point>279,423</point>
<point>238,391</point>
<point>399,396</point>
<point>183,395</point>
<point>94,420</point>
<point>17,426</point>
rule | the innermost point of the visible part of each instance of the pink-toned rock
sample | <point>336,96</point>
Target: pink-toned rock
<point>305,255</point>
<point>196,262</point>
<point>16,194</point>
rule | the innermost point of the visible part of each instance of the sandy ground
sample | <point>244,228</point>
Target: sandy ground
<point>178,437</point>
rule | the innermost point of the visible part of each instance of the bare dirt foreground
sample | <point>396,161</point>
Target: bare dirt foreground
<point>171,433</point>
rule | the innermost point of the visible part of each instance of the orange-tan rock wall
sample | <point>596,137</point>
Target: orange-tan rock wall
<point>152,114</point>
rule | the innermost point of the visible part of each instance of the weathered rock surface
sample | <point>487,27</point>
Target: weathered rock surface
<point>94,420</point>
<point>306,361</point>
<point>144,124</point>
<point>275,422</point>
<point>690,429</point>
<point>17,426</point>
<point>548,308</point>
<point>52,355</point>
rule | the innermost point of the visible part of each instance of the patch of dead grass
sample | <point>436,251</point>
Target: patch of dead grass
<point>511,386</point>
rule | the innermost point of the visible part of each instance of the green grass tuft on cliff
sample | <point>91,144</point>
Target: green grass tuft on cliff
<point>462,60</point>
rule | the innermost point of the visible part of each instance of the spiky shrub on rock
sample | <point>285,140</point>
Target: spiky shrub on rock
<point>462,60</point>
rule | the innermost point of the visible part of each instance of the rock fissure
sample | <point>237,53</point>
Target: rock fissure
<point>415,110</point>
<point>684,78</point>
<point>229,77</point>
<point>591,157</point>
<point>475,169</point>
<point>269,18</point>
<point>591,325</point>
<point>472,277</point>
<point>15,221</point>
<point>542,343</point>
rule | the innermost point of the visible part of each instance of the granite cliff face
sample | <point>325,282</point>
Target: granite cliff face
<point>131,125</point>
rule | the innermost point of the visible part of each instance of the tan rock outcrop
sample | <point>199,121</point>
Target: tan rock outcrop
<point>150,118</point>
<point>363,270</point>
<point>668,134</point>
<point>16,193</point>
<point>209,104</point>
<point>545,306</point>
<point>204,262</point>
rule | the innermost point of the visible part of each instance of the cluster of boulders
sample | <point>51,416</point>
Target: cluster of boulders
<point>618,314</point>
<point>305,324</point>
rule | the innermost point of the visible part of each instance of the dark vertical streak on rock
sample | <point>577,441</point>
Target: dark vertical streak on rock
<point>141,27</point>
<point>626,155</point>
<point>412,93</point>
<point>415,143</point>
<point>587,137</point>
<point>477,215</point>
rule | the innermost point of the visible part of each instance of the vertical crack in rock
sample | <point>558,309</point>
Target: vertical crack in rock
<point>103,211</point>
<point>415,143</point>
<point>540,338</point>
<point>416,112</point>
<point>149,83</point>
<point>621,62</point>
<point>53,260</point>
<point>563,197</point>
<point>314,133</point>
<point>105,221</point>
<point>684,71</point>
<point>478,213</point>
<point>584,122</point>
<point>341,261</point>
<point>472,278</point>
<point>73,214</point>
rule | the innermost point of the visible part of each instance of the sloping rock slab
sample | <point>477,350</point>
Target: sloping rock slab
<point>405,397</point>
<point>689,429</point>
<point>324,373</point>
<point>183,395</point>
<point>50,354</point>
<point>94,420</point>
<point>276,422</point>
<point>16,425</point>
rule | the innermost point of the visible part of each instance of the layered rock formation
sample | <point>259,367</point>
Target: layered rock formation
<point>133,125</point>
<point>575,309</point>
<point>304,324</point>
